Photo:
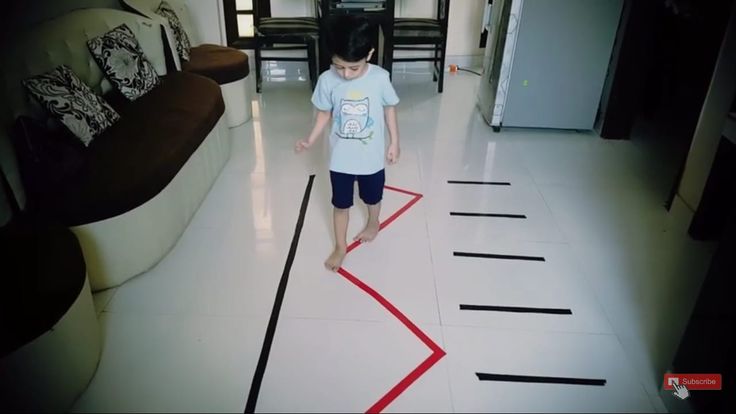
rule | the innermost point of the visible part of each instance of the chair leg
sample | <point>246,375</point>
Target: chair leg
<point>388,60</point>
<point>257,52</point>
<point>312,61</point>
<point>435,62</point>
<point>442,67</point>
<point>323,59</point>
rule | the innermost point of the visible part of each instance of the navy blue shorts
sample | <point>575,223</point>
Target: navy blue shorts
<point>370,188</point>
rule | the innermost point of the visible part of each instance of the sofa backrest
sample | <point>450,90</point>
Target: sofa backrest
<point>148,7</point>
<point>63,40</point>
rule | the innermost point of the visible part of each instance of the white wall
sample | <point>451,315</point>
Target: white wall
<point>464,27</point>
<point>206,17</point>
<point>417,8</point>
<point>292,8</point>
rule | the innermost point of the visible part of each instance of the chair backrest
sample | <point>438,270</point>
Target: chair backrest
<point>443,12</point>
<point>63,40</point>
<point>261,8</point>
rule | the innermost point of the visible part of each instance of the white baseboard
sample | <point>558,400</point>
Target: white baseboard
<point>465,61</point>
<point>474,62</point>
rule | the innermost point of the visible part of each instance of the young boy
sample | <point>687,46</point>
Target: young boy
<point>359,99</point>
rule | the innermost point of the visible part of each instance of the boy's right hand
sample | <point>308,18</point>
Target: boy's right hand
<point>302,145</point>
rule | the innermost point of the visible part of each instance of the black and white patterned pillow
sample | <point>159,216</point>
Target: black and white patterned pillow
<point>182,40</point>
<point>71,101</point>
<point>121,58</point>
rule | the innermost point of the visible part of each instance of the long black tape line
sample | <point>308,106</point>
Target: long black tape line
<point>544,380</point>
<point>479,182</point>
<point>498,256</point>
<point>516,309</point>
<point>498,215</point>
<point>255,386</point>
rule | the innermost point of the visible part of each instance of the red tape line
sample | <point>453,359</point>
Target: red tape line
<point>437,352</point>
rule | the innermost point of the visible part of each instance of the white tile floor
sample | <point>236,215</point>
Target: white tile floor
<point>186,336</point>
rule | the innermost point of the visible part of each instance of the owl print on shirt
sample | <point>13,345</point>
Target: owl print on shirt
<point>354,120</point>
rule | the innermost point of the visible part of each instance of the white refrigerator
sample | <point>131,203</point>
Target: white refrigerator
<point>546,61</point>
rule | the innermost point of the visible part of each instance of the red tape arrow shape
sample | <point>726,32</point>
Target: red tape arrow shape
<point>437,352</point>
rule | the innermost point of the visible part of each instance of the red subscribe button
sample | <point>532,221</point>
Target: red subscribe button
<point>693,381</point>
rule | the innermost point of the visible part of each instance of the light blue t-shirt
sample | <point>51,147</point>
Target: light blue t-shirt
<point>357,138</point>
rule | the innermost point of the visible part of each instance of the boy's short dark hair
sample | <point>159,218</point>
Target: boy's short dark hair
<point>349,36</point>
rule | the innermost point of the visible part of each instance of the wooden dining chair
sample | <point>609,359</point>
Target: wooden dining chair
<point>285,33</point>
<point>423,34</point>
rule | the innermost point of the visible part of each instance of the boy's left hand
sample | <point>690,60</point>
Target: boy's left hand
<point>393,153</point>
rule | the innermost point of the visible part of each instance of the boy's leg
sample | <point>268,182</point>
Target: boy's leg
<point>342,200</point>
<point>371,227</point>
<point>371,192</point>
<point>340,218</point>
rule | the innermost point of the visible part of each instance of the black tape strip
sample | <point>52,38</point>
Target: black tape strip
<point>478,182</point>
<point>462,214</point>
<point>255,386</point>
<point>498,256</point>
<point>544,380</point>
<point>516,309</point>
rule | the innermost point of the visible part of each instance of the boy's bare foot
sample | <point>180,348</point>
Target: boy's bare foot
<point>335,260</point>
<point>368,234</point>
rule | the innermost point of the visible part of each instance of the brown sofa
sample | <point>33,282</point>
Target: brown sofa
<point>137,157</point>
<point>221,64</point>
<point>51,340</point>
<point>145,176</point>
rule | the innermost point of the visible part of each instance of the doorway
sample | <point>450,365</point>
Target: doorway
<point>658,78</point>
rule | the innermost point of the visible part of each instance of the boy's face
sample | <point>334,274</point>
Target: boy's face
<point>351,70</point>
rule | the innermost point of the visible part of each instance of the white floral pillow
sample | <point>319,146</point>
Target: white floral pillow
<point>180,36</point>
<point>71,101</point>
<point>121,58</point>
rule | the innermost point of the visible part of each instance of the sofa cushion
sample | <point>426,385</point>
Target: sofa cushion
<point>138,156</point>
<point>183,44</point>
<point>219,63</point>
<point>43,271</point>
<point>120,56</point>
<point>67,98</point>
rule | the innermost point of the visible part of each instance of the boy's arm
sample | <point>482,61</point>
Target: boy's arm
<point>323,118</point>
<point>393,132</point>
